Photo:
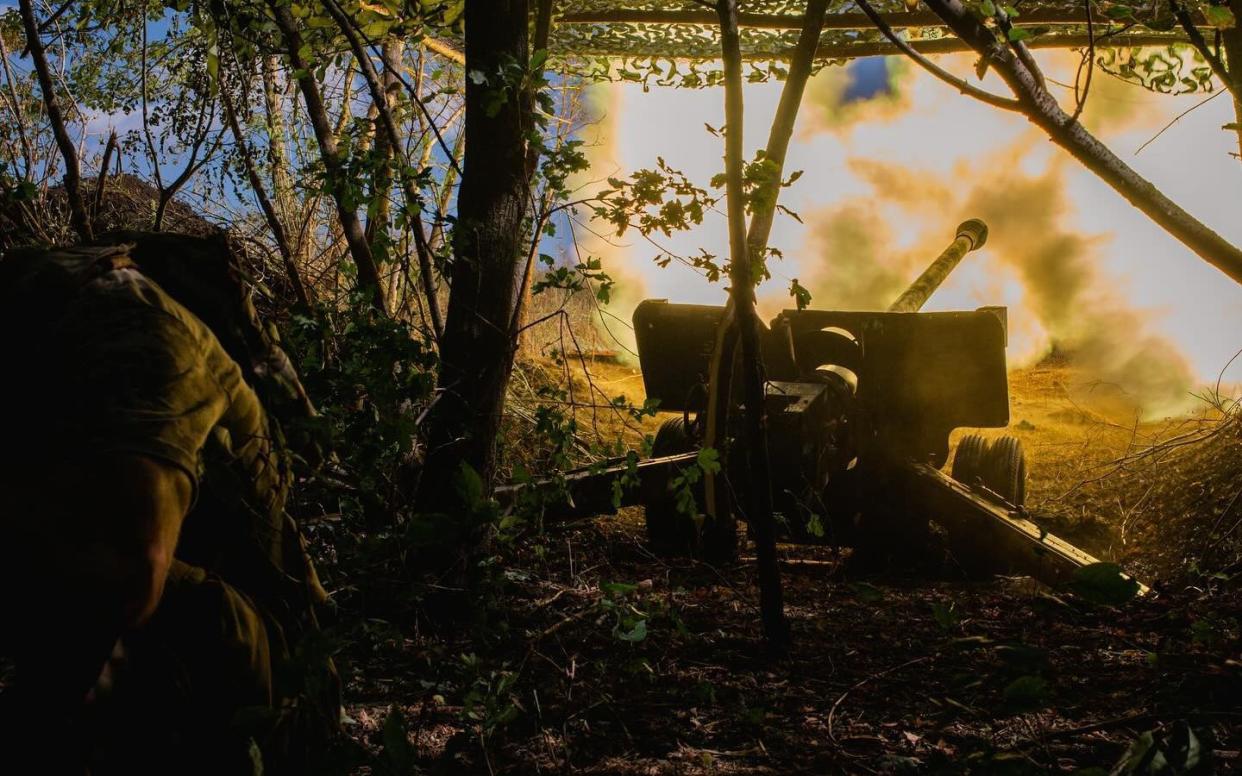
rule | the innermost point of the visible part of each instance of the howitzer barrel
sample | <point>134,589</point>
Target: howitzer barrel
<point>971,235</point>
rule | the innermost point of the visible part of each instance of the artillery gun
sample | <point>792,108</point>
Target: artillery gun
<point>860,408</point>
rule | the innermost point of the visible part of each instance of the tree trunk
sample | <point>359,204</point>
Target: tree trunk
<point>73,176</point>
<point>786,114</point>
<point>1042,109</point>
<point>476,354</point>
<point>347,212</point>
<point>758,486</point>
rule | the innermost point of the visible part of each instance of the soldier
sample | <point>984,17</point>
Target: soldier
<point>158,598</point>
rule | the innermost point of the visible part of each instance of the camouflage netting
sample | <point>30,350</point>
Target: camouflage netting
<point>675,43</point>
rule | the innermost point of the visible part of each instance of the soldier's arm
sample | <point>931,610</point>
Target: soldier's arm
<point>143,502</point>
<point>120,516</point>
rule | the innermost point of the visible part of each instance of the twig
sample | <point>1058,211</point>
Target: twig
<point>1176,119</point>
<point>1089,59</point>
<point>832,712</point>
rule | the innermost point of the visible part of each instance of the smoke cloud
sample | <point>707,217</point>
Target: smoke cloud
<point>612,323</point>
<point>1062,299</point>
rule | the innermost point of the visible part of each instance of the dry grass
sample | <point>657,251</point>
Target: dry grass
<point>1123,487</point>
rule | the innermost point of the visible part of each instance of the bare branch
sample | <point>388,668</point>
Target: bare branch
<point>982,95</point>
<point>73,176</point>
<point>1211,57</point>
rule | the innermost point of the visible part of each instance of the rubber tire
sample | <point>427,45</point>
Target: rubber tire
<point>672,438</point>
<point>969,458</point>
<point>669,533</point>
<point>1004,470</point>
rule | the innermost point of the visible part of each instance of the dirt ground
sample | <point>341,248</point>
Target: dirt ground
<point>607,660</point>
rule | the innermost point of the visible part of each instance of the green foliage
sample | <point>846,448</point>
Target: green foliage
<point>14,190</point>
<point>1219,16</point>
<point>1103,584</point>
<point>682,485</point>
<point>946,615</point>
<point>370,379</point>
<point>1181,750</point>
<point>491,701</point>
<point>867,592</point>
<point>398,753</point>
<point>664,201</point>
<point>1027,693</point>
<point>661,200</point>
<point>587,274</point>
<point>815,525</point>
<point>629,622</point>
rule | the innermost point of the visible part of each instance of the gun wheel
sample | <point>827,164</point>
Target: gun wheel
<point>672,438</point>
<point>1004,470</point>
<point>968,460</point>
<point>669,532</point>
<point>672,533</point>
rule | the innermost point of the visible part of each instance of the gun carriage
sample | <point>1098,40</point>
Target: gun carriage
<point>860,409</point>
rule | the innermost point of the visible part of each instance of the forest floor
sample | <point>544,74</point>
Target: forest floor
<point>604,659</point>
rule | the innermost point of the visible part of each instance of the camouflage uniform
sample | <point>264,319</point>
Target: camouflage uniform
<point>101,360</point>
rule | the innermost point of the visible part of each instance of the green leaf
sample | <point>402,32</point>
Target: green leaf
<point>945,615</point>
<point>1103,584</point>
<point>469,485</point>
<point>1017,34</point>
<point>709,460</point>
<point>867,592</point>
<point>397,749</point>
<point>1027,693</point>
<point>617,588</point>
<point>987,8</point>
<point>213,65</point>
<point>454,12</point>
<point>1119,12</point>
<point>1136,755</point>
<point>375,30</point>
<point>1219,16</point>
<point>635,634</point>
<point>815,526</point>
